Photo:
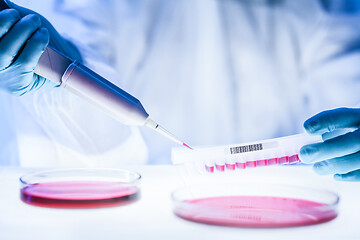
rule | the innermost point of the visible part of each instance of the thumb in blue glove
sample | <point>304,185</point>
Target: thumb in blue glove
<point>340,155</point>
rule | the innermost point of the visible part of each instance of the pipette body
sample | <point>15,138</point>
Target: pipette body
<point>90,86</point>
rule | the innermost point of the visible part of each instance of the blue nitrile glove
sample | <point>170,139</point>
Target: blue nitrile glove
<point>23,38</point>
<point>339,155</point>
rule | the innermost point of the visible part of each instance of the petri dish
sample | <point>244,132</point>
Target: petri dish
<point>255,205</point>
<point>80,188</point>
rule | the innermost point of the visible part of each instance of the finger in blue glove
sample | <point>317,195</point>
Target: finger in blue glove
<point>331,120</point>
<point>16,38</point>
<point>8,18</point>
<point>353,176</point>
<point>340,165</point>
<point>336,147</point>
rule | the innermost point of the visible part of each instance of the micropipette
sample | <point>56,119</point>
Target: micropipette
<point>90,86</point>
<point>276,151</point>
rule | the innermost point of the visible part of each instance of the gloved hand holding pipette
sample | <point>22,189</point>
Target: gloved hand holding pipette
<point>340,155</point>
<point>24,36</point>
<point>17,76</point>
<point>28,67</point>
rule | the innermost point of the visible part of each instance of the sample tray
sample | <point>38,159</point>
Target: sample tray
<point>80,188</point>
<point>255,205</point>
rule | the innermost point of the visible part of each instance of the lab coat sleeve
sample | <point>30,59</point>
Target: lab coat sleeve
<point>330,65</point>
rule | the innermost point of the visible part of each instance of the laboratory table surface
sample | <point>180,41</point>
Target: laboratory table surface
<point>151,217</point>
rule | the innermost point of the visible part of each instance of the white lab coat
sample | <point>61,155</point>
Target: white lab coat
<point>211,71</point>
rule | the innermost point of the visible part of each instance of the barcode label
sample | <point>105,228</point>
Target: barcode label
<point>246,148</point>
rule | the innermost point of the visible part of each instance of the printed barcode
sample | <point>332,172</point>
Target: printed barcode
<point>246,148</point>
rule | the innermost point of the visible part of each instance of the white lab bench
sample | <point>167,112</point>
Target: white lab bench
<point>151,217</point>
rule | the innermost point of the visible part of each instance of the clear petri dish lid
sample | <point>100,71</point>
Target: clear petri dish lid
<point>80,188</point>
<point>255,205</point>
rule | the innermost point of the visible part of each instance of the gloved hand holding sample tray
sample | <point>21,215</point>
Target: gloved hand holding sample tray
<point>85,83</point>
<point>331,144</point>
<point>339,154</point>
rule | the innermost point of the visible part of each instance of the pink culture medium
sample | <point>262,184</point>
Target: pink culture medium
<point>255,211</point>
<point>79,194</point>
<point>80,188</point>
<point>255,205</point>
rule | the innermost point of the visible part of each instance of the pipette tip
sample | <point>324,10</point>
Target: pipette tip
<point>184,144</point>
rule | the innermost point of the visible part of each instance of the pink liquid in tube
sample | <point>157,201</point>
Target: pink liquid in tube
<point>79,194</point>
<point>283,160</point>
<point>272,161</point>
<point>230,166</point>
<point>209,168</point>
<point>220,168</point>
<point>255,211</point>
<point>241,165</point>
<point>251,164</point>
<point>294,159</point>
<point>262,162</point>
<point>257,163</point>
